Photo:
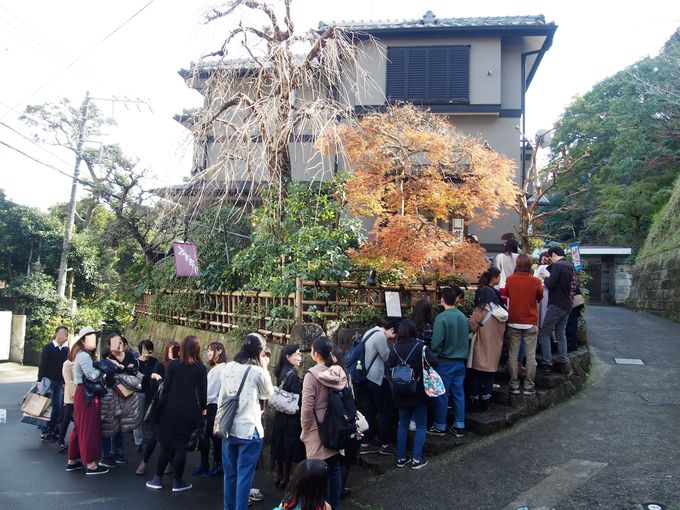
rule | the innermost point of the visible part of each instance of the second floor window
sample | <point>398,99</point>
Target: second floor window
<point>429,74</point>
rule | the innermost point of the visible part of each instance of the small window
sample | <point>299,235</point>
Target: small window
<point>429,74</point>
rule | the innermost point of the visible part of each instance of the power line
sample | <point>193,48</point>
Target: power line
<point>34,143</point>
<point>52,167</point>
<point>90,49</point>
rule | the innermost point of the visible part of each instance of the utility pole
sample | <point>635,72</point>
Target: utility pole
<point>63,263</point>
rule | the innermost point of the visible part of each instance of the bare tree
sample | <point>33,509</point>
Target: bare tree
<point>538,184</point>
<point>277,100</point>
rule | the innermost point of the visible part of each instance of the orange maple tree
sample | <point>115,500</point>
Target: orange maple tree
<point>414,172</point>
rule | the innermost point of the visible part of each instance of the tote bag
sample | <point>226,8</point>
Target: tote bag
<point>432,381</point>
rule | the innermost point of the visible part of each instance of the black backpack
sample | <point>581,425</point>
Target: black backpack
<point>339,427</point>
<point>403,381</point>
<point>355,360</point>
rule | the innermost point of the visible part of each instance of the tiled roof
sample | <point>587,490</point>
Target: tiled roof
<point>429,20</point>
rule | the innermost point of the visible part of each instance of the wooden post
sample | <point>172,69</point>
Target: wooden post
<point>298,300</point>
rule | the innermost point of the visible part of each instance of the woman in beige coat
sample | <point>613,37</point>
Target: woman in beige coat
<point>488,343</point>
<point>325,375</point>
<point>67,411</point>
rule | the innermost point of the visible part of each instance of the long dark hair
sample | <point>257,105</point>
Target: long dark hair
<point>78,346</point>
<point>190,351</point>
<point>324,348</point>
<point>282,362</point>
<point>487,276</point>
<point>422,314</point>
<point>308,485</point>
<point>407,330</point>
<point>252,347</point>
<point>221,357</point>
<point>512,246</point>
<point>339,359</point>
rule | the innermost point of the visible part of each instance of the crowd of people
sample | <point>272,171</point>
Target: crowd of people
<point>418,375</point>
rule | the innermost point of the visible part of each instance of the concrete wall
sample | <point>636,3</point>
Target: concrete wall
<point>17,339</point>
<point>656,285</point>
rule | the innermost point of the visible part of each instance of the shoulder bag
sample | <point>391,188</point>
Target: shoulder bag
<point>283,401</point>
<point>432,381</point>
<point>226,413</point>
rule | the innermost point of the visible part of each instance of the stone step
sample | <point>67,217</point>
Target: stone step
<point>496,418</point>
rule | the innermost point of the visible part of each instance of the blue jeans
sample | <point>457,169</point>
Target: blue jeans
<point>57,390</point>
<point>334,481</point>
<point>418,415</point>
<point>555,320</point>
<point>453,377</point>
<point>239,460</point>
<point>112,445</point>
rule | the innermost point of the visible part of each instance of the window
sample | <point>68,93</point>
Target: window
<point>429,74</point>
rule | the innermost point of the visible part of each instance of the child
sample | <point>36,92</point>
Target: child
<point>308,487</point>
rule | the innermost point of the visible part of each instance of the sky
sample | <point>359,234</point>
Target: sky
<point>50,50</point>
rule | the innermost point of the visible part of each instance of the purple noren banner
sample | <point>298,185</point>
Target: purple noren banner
<point>186,260</point>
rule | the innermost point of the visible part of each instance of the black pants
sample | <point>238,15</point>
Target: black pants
<point>572,328</point>
<point>66,419</point>
<point>207,438</point>
<point>481,383</point>
<point>378,407</point>
<point>165,455</point>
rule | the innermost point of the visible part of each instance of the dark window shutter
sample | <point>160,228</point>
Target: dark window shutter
<point>396,73</point>
<point>437,73</point>
<point>428,74</point>
<point>416,88</point>
<point>459,74</point>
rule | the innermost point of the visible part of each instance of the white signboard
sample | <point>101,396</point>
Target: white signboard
<point>5,334</point>
<point>393,304</point>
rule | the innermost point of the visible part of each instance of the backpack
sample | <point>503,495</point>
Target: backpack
<point>403,382</point>
<point>339,427</point>
<point>355,360</point>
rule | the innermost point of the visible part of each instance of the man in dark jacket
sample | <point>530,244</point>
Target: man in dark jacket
<point>559,283</point>
<point>52,359</point>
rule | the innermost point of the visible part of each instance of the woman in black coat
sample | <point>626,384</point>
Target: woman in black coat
<point>287,448</point>
<point>409,349</point>
<point>184,404</point>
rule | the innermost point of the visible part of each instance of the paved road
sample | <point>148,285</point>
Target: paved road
<point>613,446</point>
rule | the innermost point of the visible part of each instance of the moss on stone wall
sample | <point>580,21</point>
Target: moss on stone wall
<point>664,235</point>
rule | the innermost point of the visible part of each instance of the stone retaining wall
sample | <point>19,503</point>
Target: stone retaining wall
<point>656,285</point>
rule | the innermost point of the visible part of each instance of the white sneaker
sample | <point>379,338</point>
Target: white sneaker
<point>255,495</point>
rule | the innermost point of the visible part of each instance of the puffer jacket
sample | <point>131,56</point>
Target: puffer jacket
<point>118,413</point>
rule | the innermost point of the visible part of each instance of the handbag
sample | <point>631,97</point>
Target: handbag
<point>283,401</point>
<point>153,413</point>
<point>35,404</point>
<point>226,413</point>
<point>362,423</point>
<point>123,390</point>
<point>432,381</point>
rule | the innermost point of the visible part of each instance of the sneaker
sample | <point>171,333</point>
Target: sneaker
<point>108,462</point>
<point>514,391</point>
<point>155,483</point>
<point>417,464</point>
<point>48,438</point>
<point>436,432</point>
<point>387,450</point>
<point>62,447</point>
<point>456,432</point>
<point>365,450</point>
<point>75,467</point>
<point>215,470</point>
<point>119,458</point>
<point>99,470</point>
<point>180,485</point>
<point>255,495</point>
<point>528,391</point>
<point>403,462</point>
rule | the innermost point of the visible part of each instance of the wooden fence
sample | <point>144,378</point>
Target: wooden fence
<point>274,316</point>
